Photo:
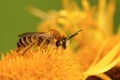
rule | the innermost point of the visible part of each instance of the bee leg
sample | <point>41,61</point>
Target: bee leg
<point>28,47</point>
<point>18,50</point>
<point>44,43</point>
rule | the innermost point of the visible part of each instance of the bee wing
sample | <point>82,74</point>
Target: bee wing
<point>37,34</point>
<point>28,34</point>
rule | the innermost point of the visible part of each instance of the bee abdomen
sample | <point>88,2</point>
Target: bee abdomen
<point>24,41</point>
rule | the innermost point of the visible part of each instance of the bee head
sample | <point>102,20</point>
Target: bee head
<point>63,42</point>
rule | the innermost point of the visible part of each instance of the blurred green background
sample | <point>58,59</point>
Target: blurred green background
<point>14,18</point>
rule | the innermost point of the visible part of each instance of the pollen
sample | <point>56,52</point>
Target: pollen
<point>50,64</point>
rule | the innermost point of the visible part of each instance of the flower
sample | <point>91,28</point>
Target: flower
<point>97,46</point>
<point>40,64</point>
<point>96,50</point>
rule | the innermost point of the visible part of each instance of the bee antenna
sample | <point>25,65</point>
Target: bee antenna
<point>74,34</point>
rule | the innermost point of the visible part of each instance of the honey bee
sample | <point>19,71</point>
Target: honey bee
<point>52,37</point>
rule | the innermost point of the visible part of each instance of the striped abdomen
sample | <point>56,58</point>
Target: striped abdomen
<point>24,41</point>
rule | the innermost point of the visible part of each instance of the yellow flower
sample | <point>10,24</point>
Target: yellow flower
<point>97,46</point>
<point>50,64</point>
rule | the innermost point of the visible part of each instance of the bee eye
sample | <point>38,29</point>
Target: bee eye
<point>57,43</point>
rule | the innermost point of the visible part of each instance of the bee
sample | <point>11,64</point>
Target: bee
<point>52,37</point>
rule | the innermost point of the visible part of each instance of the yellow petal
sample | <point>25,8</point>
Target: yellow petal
<point>105,62</point>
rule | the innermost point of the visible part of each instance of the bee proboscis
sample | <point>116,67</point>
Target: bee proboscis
<point>52,37</point>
